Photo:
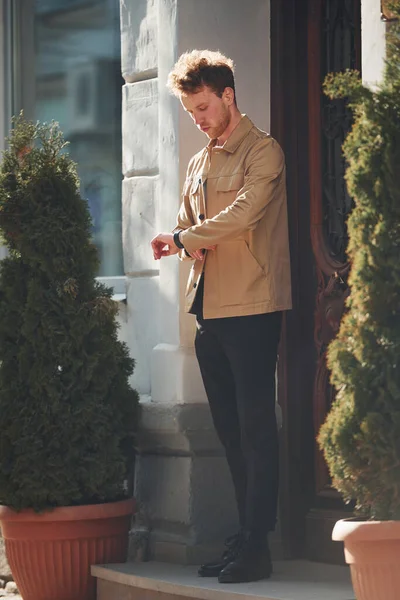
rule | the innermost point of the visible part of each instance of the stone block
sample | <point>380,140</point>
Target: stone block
<point>140,128</point>
<point>140,327</point>
<point>139,39</point>
<point>213,510</point>
<point>139,197</point>
<point>179,429</point>
<point>175,375</point>
<point>163,485</point>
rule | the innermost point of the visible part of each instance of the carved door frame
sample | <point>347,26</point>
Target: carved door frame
<point>300,52</point>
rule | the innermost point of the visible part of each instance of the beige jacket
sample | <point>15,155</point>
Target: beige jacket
<point>234,197</point>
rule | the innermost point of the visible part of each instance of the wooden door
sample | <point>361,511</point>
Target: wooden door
<point>311,38</point>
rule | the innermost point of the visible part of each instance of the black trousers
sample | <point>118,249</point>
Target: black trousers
<point>237,358</point>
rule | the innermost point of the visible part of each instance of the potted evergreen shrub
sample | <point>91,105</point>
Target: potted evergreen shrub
<point>67,411</point>
<point>361,435</point>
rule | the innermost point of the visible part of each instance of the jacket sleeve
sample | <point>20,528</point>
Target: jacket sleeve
<point>184,220</point>
<point>264,172</point>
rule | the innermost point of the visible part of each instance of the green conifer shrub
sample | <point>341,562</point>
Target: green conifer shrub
<point>67,412</point>
<point>361,435</point>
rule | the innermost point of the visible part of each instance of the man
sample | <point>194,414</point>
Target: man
<point>233,223</point>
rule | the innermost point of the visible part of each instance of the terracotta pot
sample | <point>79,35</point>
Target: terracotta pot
<point>372,549</point>
<point>50,553</point>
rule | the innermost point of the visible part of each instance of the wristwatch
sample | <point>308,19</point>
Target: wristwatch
<point>177,241</point>
<point>179,244</point>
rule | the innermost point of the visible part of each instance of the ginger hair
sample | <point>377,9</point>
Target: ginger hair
<point>200,68</point>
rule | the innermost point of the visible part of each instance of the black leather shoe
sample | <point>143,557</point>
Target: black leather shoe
<point>252,563</point>
<point>233,545</point>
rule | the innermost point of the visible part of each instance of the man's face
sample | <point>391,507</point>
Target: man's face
<point>210,113</point>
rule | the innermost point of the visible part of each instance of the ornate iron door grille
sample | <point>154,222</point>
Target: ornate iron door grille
<point>334,45</point>
<point>339,52</point>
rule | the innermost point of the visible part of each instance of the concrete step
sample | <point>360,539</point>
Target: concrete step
<point>292,580</point>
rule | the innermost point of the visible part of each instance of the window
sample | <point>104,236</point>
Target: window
<point>7,60</point>
<point>70,72</point>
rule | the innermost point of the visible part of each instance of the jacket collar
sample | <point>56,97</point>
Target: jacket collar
<point>237,136</point>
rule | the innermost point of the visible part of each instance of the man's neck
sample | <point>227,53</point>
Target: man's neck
<point>232,125</point>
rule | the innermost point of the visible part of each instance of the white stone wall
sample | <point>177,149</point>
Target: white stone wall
<point>372,41</point>
<point>139,47</point>
<point>139,34</point>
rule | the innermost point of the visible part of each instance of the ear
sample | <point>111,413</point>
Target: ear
<point>229,95</point>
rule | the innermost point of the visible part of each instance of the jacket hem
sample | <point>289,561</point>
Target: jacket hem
<point>241,311</point>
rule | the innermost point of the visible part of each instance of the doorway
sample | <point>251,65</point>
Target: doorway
<point>310,38</point>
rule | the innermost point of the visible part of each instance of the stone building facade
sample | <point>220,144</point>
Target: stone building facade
<point>182,482</point>
<point>182,485</point>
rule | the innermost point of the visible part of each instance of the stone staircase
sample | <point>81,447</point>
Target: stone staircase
<point>292,580</point>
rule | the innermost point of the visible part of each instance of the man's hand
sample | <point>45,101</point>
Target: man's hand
<point>200,254</point>
<point>163,245</point>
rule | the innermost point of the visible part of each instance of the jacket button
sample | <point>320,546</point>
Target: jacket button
<point>201,217</point>
<point>195,285</point>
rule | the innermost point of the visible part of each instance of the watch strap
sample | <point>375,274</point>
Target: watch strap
<point>177,241</point>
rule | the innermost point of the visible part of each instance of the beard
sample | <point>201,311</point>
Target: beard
<point>214,132</point>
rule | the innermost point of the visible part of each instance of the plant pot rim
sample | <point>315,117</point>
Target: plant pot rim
<point>71,513</point>
<point>353,528</point>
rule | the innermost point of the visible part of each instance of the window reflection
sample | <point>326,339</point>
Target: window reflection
<point>78,83</point>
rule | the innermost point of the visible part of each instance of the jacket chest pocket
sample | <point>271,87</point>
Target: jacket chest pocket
<point>227,188</point>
